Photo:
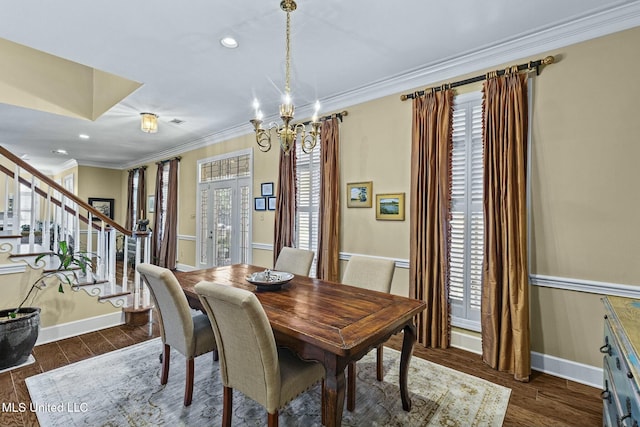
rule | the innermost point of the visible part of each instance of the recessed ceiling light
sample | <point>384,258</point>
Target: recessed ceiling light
<point>83,136</point>
<point>229,42</point>
<point>60,152</point>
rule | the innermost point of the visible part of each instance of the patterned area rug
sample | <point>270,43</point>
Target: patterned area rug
<point>122,388</point>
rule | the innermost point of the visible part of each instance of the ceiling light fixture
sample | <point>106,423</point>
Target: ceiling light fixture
<point>83,136</point>
<point>287,132</point>
<point>60,152</point>
<point>149,122</point>
<point>229,42</point>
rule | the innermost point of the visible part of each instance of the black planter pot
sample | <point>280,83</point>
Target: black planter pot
<point>18,336</point>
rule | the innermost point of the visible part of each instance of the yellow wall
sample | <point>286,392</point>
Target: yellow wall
<point>102,183</point>
<point>584,204</point>
<point>57,308</point>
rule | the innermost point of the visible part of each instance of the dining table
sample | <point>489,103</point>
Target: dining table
<point>323,321</point>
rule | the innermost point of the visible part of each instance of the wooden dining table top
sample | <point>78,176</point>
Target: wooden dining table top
<point>342,319</point>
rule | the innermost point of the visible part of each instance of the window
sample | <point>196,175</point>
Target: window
<point>29,205</point>
<point>136,177</point>
<point>165,192</point>
<point>466,237</point>
<point>308,198</point>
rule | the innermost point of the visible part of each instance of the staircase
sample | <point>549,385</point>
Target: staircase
<point>36,214</point>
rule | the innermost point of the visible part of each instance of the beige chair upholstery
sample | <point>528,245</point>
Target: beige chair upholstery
<point>296,261</point>
<point>375,274</point>
<point>249,359</point>
<point>190,334</point>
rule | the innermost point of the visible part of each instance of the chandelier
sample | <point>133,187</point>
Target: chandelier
<point>287,132</point>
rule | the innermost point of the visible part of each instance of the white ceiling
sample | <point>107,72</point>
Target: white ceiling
<point>343,52</point>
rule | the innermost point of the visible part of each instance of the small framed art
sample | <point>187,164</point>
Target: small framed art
<point>390,206</point>
<point>359,194</point>
<point>260,203</point>
<point>151,204</point>
<point>266,189</point>
<point>271,205</point>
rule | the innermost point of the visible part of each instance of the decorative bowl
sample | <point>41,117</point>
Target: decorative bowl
<point>269,280</point>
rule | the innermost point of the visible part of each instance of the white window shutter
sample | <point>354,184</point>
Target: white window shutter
<point>308,200</point>
<point>466,238</point>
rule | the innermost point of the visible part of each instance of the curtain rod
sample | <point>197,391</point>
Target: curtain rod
<point>136,169</point>
<point>162,162</point>
<point>528,66</point>
<point>339,115</point>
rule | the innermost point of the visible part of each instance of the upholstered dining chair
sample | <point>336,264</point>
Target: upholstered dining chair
<point>249,359</point>
<point>375,274</point>
<point>190,334</point>
<point>293,260</point>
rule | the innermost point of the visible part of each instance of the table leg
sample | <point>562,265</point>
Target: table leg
<point>407,351</point>
<point>334,387</point>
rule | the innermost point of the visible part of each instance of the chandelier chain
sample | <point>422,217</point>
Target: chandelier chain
<point>287,89</point>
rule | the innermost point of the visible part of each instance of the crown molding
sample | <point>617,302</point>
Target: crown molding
<point>553,37</point>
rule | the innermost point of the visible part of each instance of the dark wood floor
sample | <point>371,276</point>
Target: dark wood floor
<point>544,401</point>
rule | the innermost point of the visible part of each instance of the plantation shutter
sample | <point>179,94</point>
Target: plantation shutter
<point>467,218</point>
<point>308,200</point>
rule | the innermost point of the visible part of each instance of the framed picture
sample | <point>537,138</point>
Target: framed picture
<point>260,203</point>
<point>267,189</point>
<point>390,206</point>
<point>104,206</point>
<point>359,194</point>
<point>151,204</point>
<point>272,203</point>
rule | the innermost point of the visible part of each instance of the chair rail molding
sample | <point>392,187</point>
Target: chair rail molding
<point>589,286</point>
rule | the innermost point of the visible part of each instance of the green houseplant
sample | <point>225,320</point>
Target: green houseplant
<point>19,326</point>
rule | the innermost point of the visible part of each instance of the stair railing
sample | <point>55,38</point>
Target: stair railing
<point>64,216</point>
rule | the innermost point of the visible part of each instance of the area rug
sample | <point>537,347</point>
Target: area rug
<point>122,388</point>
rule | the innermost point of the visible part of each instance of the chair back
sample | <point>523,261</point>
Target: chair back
<point>293,260</point>
<point>176,323</point>
<point>368,272</point>
<point>246,345</point>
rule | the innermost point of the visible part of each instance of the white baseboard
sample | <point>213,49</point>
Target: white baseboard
<point>563,368</point>
<point>79,327</point>
<point>567,369</point>
<point>185,267</point>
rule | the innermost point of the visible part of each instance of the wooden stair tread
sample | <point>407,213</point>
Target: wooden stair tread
<point>10,234</point>
<point>25,249</point>
<point>95,282</point>
<point>119,294</point>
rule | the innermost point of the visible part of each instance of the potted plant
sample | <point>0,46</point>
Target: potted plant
<point>19,326</point>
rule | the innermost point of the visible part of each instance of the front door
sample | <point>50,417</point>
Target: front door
<point>224,226</point>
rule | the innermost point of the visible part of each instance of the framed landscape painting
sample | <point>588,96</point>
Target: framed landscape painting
<point>390,206</point>
<point>359,194</point>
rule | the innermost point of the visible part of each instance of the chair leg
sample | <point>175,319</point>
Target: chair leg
<point>227,406</point>
<point>165,364</point>
<point>379,364</point>
<point>215,355</point>
<point>272,419</point>
<point>188,387</point>
<point>351,386</point>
